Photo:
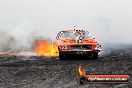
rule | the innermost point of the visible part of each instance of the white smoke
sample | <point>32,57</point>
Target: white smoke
<point>21,35</point>
<point>17,36</point>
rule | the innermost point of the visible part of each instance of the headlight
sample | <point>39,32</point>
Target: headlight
<point>64,47</point>
<point>98,47</point>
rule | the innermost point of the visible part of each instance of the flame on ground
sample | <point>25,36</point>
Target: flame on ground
<point>46,48</point>
<point>81,71</point>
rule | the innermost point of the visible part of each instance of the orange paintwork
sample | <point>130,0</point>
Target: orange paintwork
<point>70,41</point>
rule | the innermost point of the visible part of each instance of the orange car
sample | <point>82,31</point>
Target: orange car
<point>77,42</point>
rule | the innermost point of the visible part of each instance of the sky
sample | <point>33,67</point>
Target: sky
<point>107,20</point>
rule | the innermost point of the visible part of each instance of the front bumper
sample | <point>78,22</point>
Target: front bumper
<point>79,52</point>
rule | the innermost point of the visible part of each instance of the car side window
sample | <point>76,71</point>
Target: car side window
<point>61,35</point>
<point>87,35</point>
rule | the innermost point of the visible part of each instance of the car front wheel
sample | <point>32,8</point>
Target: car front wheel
<point>95,55</point>
<point>62,56</point>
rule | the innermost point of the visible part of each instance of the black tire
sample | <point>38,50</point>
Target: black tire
<point>62,56</point>
<point>88,56</point>
<point>95,55</point>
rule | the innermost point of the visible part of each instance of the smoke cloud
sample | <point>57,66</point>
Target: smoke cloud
<point>19,36</point>
<point>23,23</point>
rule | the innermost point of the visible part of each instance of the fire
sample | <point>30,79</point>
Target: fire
<point>81,71</point>
<point>46,48</point>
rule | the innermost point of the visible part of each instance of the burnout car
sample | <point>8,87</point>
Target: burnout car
<point>77,42</point>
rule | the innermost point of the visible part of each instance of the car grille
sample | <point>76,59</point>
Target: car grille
<point>82,47</point>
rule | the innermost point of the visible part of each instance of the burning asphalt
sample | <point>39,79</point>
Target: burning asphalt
<point>26,71</point>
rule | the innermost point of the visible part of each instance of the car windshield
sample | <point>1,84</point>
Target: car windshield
<point>73,34</point>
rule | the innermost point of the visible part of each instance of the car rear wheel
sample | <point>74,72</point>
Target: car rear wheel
<point>95,55</point>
